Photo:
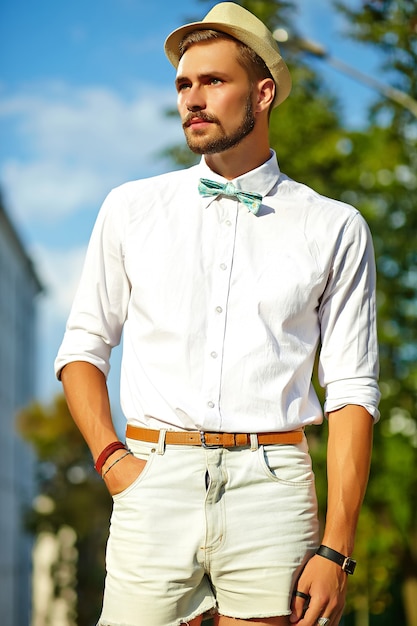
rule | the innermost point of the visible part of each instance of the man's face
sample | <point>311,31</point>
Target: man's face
<point>214,97</point>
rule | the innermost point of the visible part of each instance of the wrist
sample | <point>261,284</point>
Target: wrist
<point>115,458</point>
<point>340,537</point>
<point>346,562</point>
<point>106,453</point>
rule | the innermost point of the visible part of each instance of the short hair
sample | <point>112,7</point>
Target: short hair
<point>248,59</point>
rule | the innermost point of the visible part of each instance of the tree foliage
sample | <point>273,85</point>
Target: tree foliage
<point>389,26</point>
<point>70,494</point>
<point>373,168</point>
<point>387,194</point>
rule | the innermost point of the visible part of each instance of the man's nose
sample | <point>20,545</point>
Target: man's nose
<point>195,100</point>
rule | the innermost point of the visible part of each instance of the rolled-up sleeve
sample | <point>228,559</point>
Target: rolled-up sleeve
<point>99,309</point>
<point>348,365</point>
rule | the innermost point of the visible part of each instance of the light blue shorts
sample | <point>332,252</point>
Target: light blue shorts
<point>202,529</point>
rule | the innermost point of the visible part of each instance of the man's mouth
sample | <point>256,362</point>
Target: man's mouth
<point>197,120</point>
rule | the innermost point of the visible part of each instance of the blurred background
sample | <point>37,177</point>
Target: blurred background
<point>87,102</point>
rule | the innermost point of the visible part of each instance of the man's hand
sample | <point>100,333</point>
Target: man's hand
<point>325,583</point>
<point>123,473</point>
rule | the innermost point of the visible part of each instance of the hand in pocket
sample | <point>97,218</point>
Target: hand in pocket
<point>123,473</point>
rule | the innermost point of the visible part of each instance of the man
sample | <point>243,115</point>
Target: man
<point>225,277</point>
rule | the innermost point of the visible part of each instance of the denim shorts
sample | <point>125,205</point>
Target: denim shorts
<point>224,529</point>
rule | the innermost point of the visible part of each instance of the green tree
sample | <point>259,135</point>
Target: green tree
<point>387,191</point>
<point>70,494</point>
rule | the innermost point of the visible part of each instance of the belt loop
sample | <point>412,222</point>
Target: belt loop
<point>254,442</point>
<point>161,441</point>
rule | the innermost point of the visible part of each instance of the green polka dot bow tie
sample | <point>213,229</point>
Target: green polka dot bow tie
<point>208,187</point>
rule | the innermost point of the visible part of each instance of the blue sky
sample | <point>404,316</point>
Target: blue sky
<point>83,90</point>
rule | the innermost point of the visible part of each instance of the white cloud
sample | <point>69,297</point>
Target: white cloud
<point>60,271</point>
<point>63,148</point>
<point>71,145</point>
<point>49,189</point>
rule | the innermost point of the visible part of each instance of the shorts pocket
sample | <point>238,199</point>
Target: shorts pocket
<point>288,464</point>
<point>145,453</point>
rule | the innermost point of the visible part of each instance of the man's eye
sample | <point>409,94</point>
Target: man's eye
<point>182,86</point>
<point>215,81</point>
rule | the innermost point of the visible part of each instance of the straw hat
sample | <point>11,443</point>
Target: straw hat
<point>236,21</point>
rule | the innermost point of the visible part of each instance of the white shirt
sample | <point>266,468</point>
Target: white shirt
<point>223,310</point>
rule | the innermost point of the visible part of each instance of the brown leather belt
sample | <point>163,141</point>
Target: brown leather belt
<point>207,440</point>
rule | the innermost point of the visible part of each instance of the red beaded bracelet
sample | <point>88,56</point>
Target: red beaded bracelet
<point>106,453</point>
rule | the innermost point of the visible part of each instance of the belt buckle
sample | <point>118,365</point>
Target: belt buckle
<point>204,442</point>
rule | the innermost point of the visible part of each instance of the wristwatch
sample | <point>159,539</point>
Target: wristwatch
<point>346,563</point>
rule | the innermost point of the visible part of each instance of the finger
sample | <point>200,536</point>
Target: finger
<point>299,605</point>
<point>338,617</point>
<point>313,611</point>
<point>300,594</point>
<point>328,615</point>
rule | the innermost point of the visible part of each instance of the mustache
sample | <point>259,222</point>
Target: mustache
<point>205,117</point>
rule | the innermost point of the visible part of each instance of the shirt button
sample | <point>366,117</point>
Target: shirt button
<point>223,266</point>
<point>210,404</point>
<point>228,223</point>
<point>219,309</point>
<point>214,355</point>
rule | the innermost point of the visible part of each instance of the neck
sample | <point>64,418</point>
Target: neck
<point>243,158</point>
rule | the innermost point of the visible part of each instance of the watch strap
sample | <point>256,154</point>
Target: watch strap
<point>346,563</point>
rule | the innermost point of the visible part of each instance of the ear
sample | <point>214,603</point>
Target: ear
<point>266,94</point>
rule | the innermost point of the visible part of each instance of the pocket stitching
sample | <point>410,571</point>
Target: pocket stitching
<point>267,470</point>
<point>137,480</point>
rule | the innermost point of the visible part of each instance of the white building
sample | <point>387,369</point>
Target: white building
<point>19,287</point>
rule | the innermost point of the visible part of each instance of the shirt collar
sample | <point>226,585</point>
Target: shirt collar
<point>260,180</point>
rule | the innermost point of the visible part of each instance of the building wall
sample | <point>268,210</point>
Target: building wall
<point>18,289</point>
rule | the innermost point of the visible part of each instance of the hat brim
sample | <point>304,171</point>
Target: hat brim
<point>269,55</point>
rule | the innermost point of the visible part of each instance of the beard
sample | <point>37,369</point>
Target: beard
<point>201,145</point>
